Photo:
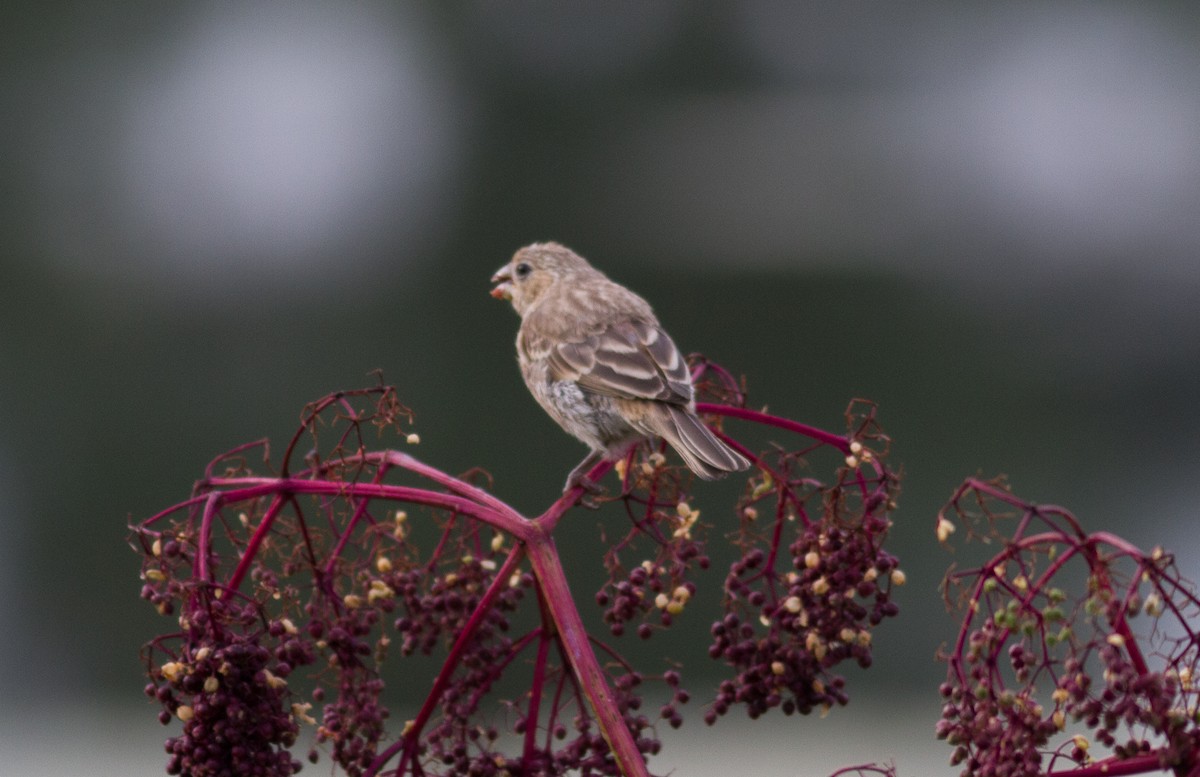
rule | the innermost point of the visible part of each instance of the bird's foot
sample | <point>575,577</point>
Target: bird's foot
<point>589,490</point>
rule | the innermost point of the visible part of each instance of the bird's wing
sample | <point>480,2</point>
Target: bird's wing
<point>630,359</point>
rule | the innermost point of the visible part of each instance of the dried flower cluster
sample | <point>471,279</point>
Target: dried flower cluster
<point>291,591</point>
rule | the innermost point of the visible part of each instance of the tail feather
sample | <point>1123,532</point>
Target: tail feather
<point>701,450</point>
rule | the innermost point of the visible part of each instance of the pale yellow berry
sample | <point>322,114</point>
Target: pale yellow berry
<point>274,681</point>
<point>413,438</point>
<point>300,712</point>
<point>898,577</point>
<point>944,529</point>
<point>184,712</point>
<point>173,670</point>
<point>379,590</point>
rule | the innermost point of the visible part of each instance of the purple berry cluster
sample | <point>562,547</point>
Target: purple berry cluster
<point>352,722</point>
<point>812,580</point>
<point>784,632</point>
<point>1075,656</point>
<point>666,542</point>
<point>996,731</point>
<point>231,695</point>
<point>432,608</point>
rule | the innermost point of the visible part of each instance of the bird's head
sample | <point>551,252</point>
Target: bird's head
<point>536,268</point>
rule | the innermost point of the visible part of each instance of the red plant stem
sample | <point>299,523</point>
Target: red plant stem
<point>836,440</point>
<point>460,487</point>
<point>249,487</point>
<point>348,530</point>
<point>769,566</point>
<point>211,505</point>
<point>549,519</point>
<point>556,707</point>
<point>436,555</point>
<point>499,583</point>
<point>547,568</point>
<point>1145,763</point>
<point>190,502</point>
<point>256,539</point>
<point>725,376</point>
<point>1002,495</point>
<point>535,692</point>
<point>227,455</point>
<point>308,417</point>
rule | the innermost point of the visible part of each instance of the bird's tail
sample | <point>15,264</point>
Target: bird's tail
<point>702,451</point>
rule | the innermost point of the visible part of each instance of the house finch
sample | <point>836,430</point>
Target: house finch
<point>596,359</point>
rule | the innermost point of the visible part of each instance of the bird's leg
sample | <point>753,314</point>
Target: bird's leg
<point>578,478</point>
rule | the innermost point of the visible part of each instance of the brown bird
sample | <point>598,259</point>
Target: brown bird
<point>596,359</point>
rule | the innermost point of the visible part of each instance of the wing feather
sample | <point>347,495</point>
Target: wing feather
<point>630,360</point>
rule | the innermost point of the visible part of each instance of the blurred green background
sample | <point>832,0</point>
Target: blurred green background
<point>981,216</point>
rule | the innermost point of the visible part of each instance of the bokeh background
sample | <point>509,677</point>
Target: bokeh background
<point>985,217</point>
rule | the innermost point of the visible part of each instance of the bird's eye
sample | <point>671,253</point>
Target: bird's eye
<point>523,270</point>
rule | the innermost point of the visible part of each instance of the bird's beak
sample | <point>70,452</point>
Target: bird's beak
<point>503,281</point>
